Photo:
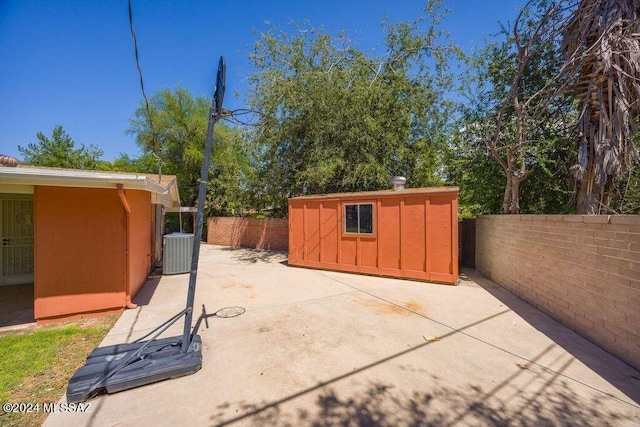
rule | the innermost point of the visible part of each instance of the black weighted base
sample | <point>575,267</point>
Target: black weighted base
<point>162,359</point>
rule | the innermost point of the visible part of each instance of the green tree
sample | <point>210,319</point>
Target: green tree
<point>232,176</point>
<point>481,179</point>
<point>518,115</point>
<point>59,151</point>
<point>178,138</point>
<point>471,167</point>
<point>625,195</point>
<point>145,163</point>
<point>336,118</point>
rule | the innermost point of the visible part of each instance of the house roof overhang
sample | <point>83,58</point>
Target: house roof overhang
<point>164,191</point>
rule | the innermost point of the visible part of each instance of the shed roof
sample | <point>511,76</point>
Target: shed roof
<point>380,193</point>
<point>164,189</point>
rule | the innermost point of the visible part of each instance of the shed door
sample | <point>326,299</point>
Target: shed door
<point>16,228</point>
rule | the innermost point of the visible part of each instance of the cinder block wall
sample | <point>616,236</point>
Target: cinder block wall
<point>583,271</point>
<point>268,233</point>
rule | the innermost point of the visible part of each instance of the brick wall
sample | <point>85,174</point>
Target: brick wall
<point>583,271</point>
<point>269,233</point>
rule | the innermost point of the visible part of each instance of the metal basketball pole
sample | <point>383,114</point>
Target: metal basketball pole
<point>214,115</point>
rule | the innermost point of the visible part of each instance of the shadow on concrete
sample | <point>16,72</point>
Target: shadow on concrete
<point>385,405</point>
<point>624,377</point>
<point>252,256</point>
<point>144,295</point>
<point>16,305</point>
<point>542,397</point>
<point>143,298</point>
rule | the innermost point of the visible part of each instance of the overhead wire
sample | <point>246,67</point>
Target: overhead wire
<point>237,116</point>
<point>157,150</point>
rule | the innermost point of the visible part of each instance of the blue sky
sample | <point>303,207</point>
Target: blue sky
<point>72,62</point>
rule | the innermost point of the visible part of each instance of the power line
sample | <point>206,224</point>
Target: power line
<point>144,95</point>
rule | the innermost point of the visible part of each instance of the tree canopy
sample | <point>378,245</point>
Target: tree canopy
<point>553,98</point>
<point>557,95</point>
<point>177,142</point>
<point>516,115</point>
<point>59,151</point>
<point>335,118</point>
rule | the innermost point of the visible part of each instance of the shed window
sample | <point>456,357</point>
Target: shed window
<point>358,218</point>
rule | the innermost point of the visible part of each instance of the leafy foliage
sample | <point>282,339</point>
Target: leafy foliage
<point>470,165</point>
<point>519,110</point>
<point>625,194</point>
<point>339,119</point>
<point>232,175</point>
<point>178,138</point>
<point>334,118</point>
<point>146,163</point>
<point>59,151</point>
<point>556,53</point>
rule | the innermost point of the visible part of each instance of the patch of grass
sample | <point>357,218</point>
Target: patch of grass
<point>36,364</point>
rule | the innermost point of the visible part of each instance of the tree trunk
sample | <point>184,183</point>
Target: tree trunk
<point>508,195</point>
<point>515,196</point>
<point>588,194</point>
<point>581,197</point>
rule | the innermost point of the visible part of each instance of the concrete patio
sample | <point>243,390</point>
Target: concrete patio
<point>16,307</point>
<point>326,348</point>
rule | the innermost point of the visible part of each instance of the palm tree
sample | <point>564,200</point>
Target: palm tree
<point>602,51</point>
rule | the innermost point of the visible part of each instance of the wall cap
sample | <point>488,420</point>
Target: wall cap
<point>586,219</point>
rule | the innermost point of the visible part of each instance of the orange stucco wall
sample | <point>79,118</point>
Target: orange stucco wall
<point>140,235</point>
<point>80,243</point>
<point>414,236</point>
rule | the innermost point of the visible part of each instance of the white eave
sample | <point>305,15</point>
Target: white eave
<point>167,196</point>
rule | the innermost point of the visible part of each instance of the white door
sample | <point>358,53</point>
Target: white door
<point>16,234</point>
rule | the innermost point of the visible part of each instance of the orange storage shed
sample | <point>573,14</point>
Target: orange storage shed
<point>410,233</point>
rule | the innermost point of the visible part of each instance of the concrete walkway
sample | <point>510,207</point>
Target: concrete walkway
<point>327,348</point>
<point>16,307</point>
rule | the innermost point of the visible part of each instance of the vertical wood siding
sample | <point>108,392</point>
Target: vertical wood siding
<point>415,235</point>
